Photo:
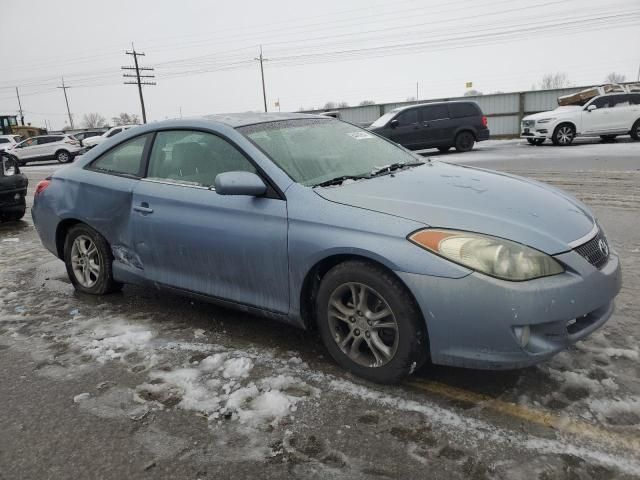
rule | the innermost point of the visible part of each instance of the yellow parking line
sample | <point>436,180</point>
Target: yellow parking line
<point>531,415</point>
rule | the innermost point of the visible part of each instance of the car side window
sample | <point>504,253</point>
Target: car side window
<point>407,118</point>
<point>124,159</point>
<point>117,130</point>
<point>194,158</point>
<point>603,102</point>
<point>434,112</point>
<point>621,101</point>
<point>635,98</point>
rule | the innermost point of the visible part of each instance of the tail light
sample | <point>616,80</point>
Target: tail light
<point>42,186</point>
<point>71,142</point>
<point>484,121</point>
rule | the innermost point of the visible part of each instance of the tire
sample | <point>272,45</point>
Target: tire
<point>97,253</point>
<point>635,131</point>
<point>535,141</point>
<point>406,344</point>
<point>62,156</point>
<point>563,135</point>
<point>465,141</point>
<point>13,216</point>
<point>444,149</point>
<point>608,138</point>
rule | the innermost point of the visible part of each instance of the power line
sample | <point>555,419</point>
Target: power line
<point>137,76</point>
<point>64,89</point>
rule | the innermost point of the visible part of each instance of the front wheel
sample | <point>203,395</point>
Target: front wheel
<point>563,134</point>
<point>370,323</point>
<point>465,141</point>
<point>88,259</point>
<point>63,156</point>
<point>635,131</point>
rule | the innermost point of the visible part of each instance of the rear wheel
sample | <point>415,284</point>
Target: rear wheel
<point>564,134</point>
<point>444,149</point>
<point>635,130</point>
<point>62,156</point>
<point>369,322</point>
<point>88,259</point>
<point>608,138</point>
<point>465,141</point>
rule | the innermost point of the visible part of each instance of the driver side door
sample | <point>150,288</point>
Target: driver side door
<point>189,237</point>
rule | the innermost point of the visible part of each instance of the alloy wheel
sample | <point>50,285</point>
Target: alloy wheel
<point>63,157</point>
<point>85,261</point>
<point>565,135</point>
<point>363,325</point>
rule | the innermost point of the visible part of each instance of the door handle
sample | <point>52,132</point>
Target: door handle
<point>143,208</point>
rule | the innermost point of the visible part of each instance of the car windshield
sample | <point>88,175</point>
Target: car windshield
<point>313,151</point>
<point>382,121</point>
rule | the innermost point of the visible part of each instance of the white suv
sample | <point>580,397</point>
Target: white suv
<point>93,141</point>
<point>607,116</point>
<point>7,141</point>
<point>62,148</point>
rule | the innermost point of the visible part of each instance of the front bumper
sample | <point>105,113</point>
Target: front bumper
<point>471,320</point>
<point>535,130</point>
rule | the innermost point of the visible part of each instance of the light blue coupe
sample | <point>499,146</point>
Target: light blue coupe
<point>394,259</point>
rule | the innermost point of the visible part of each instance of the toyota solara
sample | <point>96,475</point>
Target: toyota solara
<point>392,259</point>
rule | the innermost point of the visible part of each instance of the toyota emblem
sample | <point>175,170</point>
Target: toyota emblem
<point>602,245</point>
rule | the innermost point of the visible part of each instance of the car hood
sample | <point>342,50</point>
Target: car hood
<point>566,111</point>
<point>471,199</point>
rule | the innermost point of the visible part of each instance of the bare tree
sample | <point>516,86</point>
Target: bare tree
<point>473,93</point>
<point>330,105</point>
<point>364,103</point>
<point>343,104</point>
<point>126,119</point>
<point>410,99</point>
<point>93,120</point>
<point>614,77</point>
<point>554,80</point>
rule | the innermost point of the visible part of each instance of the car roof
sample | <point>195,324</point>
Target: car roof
<point>251,118</point>
<point>430,103</point>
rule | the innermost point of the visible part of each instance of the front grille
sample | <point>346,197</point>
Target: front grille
<point>528,123</point>
<point>596,250</point>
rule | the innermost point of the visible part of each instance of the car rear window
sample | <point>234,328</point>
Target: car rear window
<point>459,110</point>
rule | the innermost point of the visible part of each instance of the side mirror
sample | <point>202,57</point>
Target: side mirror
<point>239,183</point>
<point>591,108</point>
<point>393,123</point>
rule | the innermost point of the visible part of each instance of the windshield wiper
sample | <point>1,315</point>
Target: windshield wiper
<point>339,180</point>
<point>392,167</point>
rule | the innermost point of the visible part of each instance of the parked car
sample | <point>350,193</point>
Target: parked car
<point>62,148</point>
<point>97,139</point>
<point>82,136</point>
<point>606,116</point>
<point>440,125</point>
<point>13,189</point>
<point>7,141</point>
<point>321,224</point>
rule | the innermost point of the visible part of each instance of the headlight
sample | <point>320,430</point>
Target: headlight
<point>489,255</point>
<point>545,120</point>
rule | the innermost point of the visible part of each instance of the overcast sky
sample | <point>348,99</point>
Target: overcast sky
<point>329,50</point>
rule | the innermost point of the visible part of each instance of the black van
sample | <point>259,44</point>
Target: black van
<point>440,125</point>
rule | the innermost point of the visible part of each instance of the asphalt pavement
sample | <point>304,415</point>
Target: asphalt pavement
<point>144,384</point>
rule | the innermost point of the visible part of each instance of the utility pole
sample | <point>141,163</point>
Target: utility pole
<point>264,91</point>
<point>20,107</point>
<point>64,89</point>
<point>417,96</point>
<point>137,76</point>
